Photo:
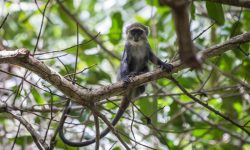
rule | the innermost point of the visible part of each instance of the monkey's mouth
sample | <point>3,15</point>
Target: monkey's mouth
<point>136,39</point>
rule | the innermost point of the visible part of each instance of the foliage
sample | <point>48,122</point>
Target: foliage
<point>167,118</point>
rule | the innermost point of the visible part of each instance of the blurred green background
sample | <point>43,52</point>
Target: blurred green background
<point>176,121</point>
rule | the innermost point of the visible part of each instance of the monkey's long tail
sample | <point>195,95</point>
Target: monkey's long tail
<point>124,105</point>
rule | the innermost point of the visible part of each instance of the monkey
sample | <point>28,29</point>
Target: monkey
<point>136,54</point>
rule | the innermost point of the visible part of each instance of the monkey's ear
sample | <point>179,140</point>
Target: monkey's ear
<point>127,29</point>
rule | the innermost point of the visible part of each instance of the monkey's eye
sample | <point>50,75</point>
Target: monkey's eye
<point>136,31</point>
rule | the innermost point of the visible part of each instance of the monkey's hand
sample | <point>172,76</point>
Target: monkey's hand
<point>167,67</point>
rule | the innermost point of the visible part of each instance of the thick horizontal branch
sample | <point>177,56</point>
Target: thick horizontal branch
<point>238,3</point>
<point>22,58</point>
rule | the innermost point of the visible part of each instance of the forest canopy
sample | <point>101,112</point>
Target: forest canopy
<point>53,52</point>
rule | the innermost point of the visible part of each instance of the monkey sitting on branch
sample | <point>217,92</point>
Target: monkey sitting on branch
<point>137,53</point>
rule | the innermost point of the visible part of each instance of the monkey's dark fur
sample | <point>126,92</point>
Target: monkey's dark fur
<point>137,53</point>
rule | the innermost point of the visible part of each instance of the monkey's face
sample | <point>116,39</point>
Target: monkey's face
<point>136,36</point>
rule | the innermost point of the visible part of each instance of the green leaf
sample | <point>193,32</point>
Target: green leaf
<point>228,146</point>
<point>71,25</point>
<point>185,98</point>
<point>146,106</point>
<point>91,6</point>
<point>245,47</point>
<point>199,132</point>
<point>246,147</point>
<point>236,29</point>
<point>215,103</point>
<point>226,63</point>
<point>116,148</point>
<point>94,76</point>
<point>123,131</point>
<point>177,121</point>
<point>115,30</point>
<point>228,104</point>
<point>238,107</point>
<point>215,12</point>
<point>37,96</point>
<point>244,68</point>
<point>152,2</point>
<point>193,11</point>
<point>188,82</point>
<point>24,140</point>
<point>60,144</point>
<point>240,52</point>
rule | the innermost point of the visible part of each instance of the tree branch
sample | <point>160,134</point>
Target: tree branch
<point>86,30</point>
<point>35,135</point>
<point>181,18</point>
<point>21,57</point>
<point>208,106</point>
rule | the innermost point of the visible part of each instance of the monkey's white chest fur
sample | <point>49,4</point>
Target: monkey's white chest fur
<point>138,53</point>
<point>138,49</point>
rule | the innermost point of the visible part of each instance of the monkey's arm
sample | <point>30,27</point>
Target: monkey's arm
<point>154,59</point>
<point>124,70</point>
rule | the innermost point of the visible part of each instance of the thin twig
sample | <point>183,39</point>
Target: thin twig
<point>86,30</point>
<point>35,135</point>
<point>62,50</point>
<point>81,71</point>
<point>208,106</point>
<point>245,84</point>
<point>4,20</point>
<point>41,27</point>
<point>97,131</point>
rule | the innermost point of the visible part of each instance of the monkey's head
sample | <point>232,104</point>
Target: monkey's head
<point>137,33</point>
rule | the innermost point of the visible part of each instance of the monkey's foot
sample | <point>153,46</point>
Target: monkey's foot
<point>167,67</point>
<point>133,74</point>
<point>126,80</point>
